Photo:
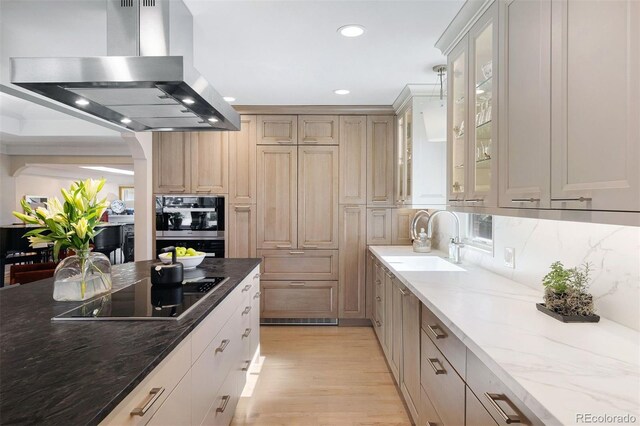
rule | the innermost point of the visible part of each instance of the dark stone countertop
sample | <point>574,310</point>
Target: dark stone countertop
<point>75,372</point>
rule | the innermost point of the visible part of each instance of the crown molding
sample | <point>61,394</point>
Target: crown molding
<point>459,26</point>
<point>412,90</point>
<point>316,109</point>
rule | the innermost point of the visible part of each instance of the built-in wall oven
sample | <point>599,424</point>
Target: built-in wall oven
<point>191,221</point>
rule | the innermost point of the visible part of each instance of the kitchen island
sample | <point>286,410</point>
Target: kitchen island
<point>78,372</point>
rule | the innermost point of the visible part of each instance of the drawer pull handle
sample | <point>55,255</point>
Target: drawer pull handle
<point>433,328</point>
<point>153,396</point>
<point>493,398</point>
<point>257,295</point>
<point>378,323</point>
<point>242,208</point>
<point>309,247</point>
<point>223,406</point>
<point>256,276</point>
<point>474,200</point>
<point>581,199</point>
<point>378,298</point>
<point>246,310</point>
<point>284,141</point>
<point>284,246</point>
<point>246,288</point>
<point>432,362</point>
<point>247,332</point>
<point>402,292</point>
<point>296,252</point>
<point>525,200</point>
<point>248,362</point>
<point>297,284</point>
<point>378,282</point>
<point>223,345</point>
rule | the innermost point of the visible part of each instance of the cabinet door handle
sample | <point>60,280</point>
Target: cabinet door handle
<point>223,406</point>
<point>309,247</point>
<point>297,284</point>
<point>433,328</point>
<point>223,345</point>
<point>246,310</point>
<point>311,140</point>
<point>432,362</point>
<point>581,199</point>
<point>284,141</point>
<point>256,276</point>
<point>153,396</point>
<point>474,200</point>
<point>257,295</point>
<point>296,252</point>
<point>493,398</point>
<point>242,208</point>
<point>402,292</point>
<point>378,298</point>
<point>246,288</point>
<point>247,332</point>
<point>378,323</point>
<point>525,200</point>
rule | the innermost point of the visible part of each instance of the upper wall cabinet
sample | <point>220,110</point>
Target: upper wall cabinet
<point>380,160</point>
<point>210,162</point>
<point>318,130</point>
<point>171,162</point>
<point>277,129</point>
<point>420,148</point>
<point>596,102</point>
<point>353,159</point>
<point>473,85</point>
<point>242,162</point>
<point>525,105</point>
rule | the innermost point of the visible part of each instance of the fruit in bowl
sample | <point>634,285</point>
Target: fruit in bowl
<point>189,257</point>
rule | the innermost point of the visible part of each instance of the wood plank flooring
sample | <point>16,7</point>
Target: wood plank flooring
<point>321,376</point>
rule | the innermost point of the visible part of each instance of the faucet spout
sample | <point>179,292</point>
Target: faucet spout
<point>456,244</point>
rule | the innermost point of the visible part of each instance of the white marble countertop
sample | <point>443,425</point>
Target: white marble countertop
<point>558,370</point>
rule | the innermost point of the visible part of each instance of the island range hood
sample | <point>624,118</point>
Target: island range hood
<point>147,83</point>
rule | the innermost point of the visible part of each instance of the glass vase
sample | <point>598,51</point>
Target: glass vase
<point>82,276</point>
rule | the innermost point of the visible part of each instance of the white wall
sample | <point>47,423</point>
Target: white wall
<point>7,190</point>
<point>613,250</point>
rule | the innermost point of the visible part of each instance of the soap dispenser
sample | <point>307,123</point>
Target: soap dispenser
<point>422,244</point>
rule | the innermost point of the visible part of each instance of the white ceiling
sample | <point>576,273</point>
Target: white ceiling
<point>289,52</point>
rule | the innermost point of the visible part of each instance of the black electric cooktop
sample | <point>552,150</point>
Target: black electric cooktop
<point>143,301</point>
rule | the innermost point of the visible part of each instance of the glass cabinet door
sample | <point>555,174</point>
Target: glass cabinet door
<point>483,108</point>
<point>458,127</point>
<point>408,148</point>
<point>404,157</point>
<point>400,161</point>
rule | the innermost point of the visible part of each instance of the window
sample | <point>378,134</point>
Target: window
<point>480,231</point>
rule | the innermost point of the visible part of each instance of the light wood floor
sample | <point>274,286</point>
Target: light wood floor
<point>321,376</point>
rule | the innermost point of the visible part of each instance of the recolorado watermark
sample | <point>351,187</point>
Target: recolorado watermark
<point>591,418</point>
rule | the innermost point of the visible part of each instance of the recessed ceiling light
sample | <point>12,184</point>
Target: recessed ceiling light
<point>82,102</point>
<point>188,101</point>
<point>108,170</point>
<point>229,99</point>
<point>341,92</point>
<point>213,120</point>
<point>165,129</point>
<point>125,120</point>
<point>351,30</point>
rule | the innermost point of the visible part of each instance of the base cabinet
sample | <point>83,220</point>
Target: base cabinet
<point>410,384</point>
<point>299,299</point>
<point>476,414</point>
<point>200,382</point>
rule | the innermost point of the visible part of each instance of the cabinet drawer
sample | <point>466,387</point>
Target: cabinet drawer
<point>255,317</point>
<point>299,299</point>
<point>499,401</point>
<point>303,265</point>
<point>213,323</point>
<point>176,409</point>
<point>211,369</point>
<point>442,384</point>
<point>224,402</point>
<point>476,414</point>
<point>428,414</point>
<point>453,349</point>
<point>151,393</point>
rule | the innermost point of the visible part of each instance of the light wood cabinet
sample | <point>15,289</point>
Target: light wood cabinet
<point>318,197</point>
<point>353,159</point>
<point>299,299</point>
<point>457,117</point>
<point>278,129</point>
<point>428,414</point>
<point>387,320</point>
<point>401,224</point>
<point>595,131</point>
<point>304,265</point>
<point>353,250</point>
<point>525,105</point>
<point>171,162</point>
<point>395,360</point>
<point>380,171</point>
<point>242,162</point>
<point>241,237</point>
<point>476,414</point>
<point>277,197</point>
<point>410,384</point>
<point>318,129</point>
<point>379,226</point>
<point>210,162</point>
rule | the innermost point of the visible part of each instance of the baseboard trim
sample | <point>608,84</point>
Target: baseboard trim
<point>354,322</point>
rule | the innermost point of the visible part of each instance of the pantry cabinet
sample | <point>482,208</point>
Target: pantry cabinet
<point>242,162</point>
<point>318,130</point>
<point>318,197</point>
<point>171,162</point>
<point>277,197</point>
<point>596,102</point>
<point>525,105</point>
<point>380,130</point>
<point>353,159</point>
<point>210,162</point>
<point>353,249</point>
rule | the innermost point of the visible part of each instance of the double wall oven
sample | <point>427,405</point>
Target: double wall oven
<point>190,221</point>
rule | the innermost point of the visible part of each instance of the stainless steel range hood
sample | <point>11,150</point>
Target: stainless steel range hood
<point>147,83</point>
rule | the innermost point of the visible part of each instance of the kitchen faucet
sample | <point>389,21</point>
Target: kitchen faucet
<point>455,244</point>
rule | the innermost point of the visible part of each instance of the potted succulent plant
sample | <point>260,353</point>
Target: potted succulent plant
<point>565,294</point>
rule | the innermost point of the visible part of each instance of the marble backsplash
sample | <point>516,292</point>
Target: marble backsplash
<point>613,251</point>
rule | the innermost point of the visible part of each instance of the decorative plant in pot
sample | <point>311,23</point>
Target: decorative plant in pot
<point>565,294</point>
<point>72,225</point>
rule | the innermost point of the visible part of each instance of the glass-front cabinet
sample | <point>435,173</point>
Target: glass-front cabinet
<point>473,113</point>
<point>404,157</point>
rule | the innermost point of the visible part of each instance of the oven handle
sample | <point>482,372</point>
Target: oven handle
<point>192,237</point>
<point>188,209</point>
